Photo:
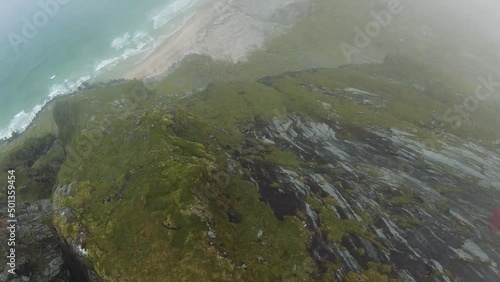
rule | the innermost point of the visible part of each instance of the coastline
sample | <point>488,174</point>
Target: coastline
<point>48,106</point>
<point>229,30</point>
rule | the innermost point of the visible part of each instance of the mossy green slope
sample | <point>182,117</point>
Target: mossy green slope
<point>147,189</point>
<point>148,168</point>
<point>146,196</point>
<point>145,169</point>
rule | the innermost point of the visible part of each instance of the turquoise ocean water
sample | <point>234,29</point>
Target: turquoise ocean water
<point>50,47</point>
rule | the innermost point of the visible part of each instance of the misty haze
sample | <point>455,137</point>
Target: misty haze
<point>257,140</point>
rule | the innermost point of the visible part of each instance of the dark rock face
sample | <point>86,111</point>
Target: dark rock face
<point>40,253</point>
<point>233,216</point>
<point>283,204</point>
<point>38,250</point>
<point>32,151</point>
<point>401,185</point>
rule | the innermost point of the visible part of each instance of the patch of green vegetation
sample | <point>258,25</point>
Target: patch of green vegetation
<point>448,273</point>
<point>330,201</point>
<point>438,274</point>
<point>407,197</point>
<point>407,222</point>
<point>364,215</point>
<point>403,200</point>
<point>370,170</point>
<point>445,189</point>
<point>374,272</point>
<point>236,104</point>
<point>336,228</point>
<point>283,158</point>
<point>314,204</point>
<point>319,203</point>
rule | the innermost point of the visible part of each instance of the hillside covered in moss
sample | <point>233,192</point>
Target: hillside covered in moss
<point>312,175</point>
<point>289,166</point>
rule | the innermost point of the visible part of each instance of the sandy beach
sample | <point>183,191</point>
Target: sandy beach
<point>228,29</point>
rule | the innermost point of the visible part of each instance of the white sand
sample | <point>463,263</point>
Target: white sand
<point>223,29</point>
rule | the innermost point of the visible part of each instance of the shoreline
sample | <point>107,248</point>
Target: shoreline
<point>15,135</point>
<point>207,31</point>
<point>169,49</point>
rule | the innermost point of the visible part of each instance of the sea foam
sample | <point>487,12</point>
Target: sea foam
<point>167,14</point>
<point>23,119</point>
<point>128,46</point>
<point>120,42</point>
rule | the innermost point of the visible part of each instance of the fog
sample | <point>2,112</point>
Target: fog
<point>461,23</point>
